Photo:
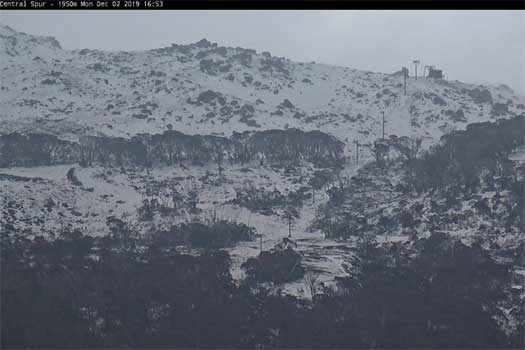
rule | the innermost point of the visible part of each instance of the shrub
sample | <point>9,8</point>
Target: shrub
<point>277,266</point>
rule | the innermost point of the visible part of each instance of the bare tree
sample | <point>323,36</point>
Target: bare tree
<point>311,281</point>
<point>290,213</point>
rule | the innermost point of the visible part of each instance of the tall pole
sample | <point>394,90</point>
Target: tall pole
<point>383,112</point>
<point>356,152</point>
<point>405,73</point>
<point>416,63</point>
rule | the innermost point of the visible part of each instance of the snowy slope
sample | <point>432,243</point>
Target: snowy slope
<point>42,201</point>
<point>204,88</point>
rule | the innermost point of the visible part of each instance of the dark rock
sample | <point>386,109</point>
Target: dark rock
<point>286,104</point>
<point>438,101</point>
<point>203,43</point>
<point>209,96</point>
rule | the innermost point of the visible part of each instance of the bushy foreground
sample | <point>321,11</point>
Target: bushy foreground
<point>79,291</point>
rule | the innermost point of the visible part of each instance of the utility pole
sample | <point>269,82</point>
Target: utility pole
<point>260,243</point>
<point>405,74</point>
<point>383,112</point>
<point>356,152</point>
<point>416,63</point>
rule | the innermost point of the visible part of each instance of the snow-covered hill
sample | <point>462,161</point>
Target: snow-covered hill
<point>203,88</point>
<point>206,89</point>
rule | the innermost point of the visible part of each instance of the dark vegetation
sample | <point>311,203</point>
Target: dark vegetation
<point>172,148</point>
<point>35,149</point>
<point>474,160</point>
<point>120,291</point>
<point>466,159</point>
<point>321,178</point>
<point>266,202</point>
<point>466,165</point>
<point>276,266</point>
<point>424,299</point>
<point>219,234</point>
<point>294,145</point>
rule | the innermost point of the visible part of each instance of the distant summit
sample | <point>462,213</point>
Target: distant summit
<point>205,88</point>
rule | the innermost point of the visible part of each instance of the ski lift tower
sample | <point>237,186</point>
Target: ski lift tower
<point>416,63</point>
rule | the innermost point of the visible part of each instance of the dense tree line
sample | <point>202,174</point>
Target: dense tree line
<point>36,149</point>
<point>219,234</point>
<point>171,148</point>
<point>293,145</point>
<point>120,291</point>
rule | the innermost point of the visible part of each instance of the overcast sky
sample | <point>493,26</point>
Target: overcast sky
<point>472,46</point>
